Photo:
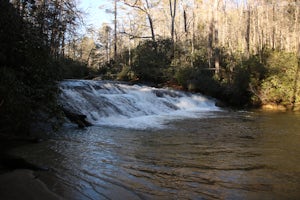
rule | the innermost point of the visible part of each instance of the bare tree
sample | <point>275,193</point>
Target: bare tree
<point>145,7</point>
<point>173,6</point>
<point>248,28</point>
<point>115,33</point>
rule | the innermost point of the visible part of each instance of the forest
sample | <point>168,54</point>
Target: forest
<point>244,53</point>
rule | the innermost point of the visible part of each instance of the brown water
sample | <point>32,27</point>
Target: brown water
<point>227,155</point>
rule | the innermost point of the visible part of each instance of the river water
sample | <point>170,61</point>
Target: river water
<point>220,155</point>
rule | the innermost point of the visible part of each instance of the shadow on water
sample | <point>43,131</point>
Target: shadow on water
<point>227,155</point>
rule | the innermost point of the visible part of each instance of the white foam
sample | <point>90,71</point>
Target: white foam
<point>108,103</point>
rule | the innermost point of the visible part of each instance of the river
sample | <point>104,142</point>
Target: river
<point>220,155</point>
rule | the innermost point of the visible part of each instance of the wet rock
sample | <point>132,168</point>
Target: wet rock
<point>78,119</point>
<point>274,107</point>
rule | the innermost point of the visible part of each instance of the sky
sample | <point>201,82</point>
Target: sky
<point>94,15</point>
<point>96,11</point>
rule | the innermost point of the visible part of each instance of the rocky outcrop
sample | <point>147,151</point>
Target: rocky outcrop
<point>78,119</point>
<point>274,107</point>
<point>280,107</point>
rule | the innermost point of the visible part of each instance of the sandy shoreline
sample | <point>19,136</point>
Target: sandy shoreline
<point>22,184</point>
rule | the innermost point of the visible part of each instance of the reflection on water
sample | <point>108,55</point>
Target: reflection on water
<point>228,155</point>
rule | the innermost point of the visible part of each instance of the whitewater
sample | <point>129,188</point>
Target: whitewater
<point>118,104</point>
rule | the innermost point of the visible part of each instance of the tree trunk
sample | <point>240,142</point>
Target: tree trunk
<point>185,23</point>
<point>150,21</point>
<point>151,27</point>
<point>296,81</point>
<point>216,38</point>
<point>146,10</point>
<point>247,37</point>
<point>115,23</point>
<point>273,28</point>
<point>173,15</point>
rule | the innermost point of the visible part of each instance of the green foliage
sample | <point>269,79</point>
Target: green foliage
<point>246,75</point>
<point>262,80</point>
<point>278,86</point>
<point>199,56</point>
<point>183,75</point>
<point>198,80</point>
<point>152,60</point>
<point>268,77</point>
<point>126,74</point>
<point>14,102</point>
<point>236,93</point>
<point>71,69</point>
<point>207,84</point>
<point>29,74</point>
<point>110,70</point>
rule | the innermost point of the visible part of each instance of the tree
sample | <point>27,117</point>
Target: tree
<point>152,60</point>
<point>32,42</point>
<point>115,23</point>
<point>297,74</point>
<point>218,39</point>
<point>27,83</point>
<point>145,7</point>
<point>55,20</point>
<point>248,27</point>
<point>173,6</point>
<point>105,38</point>
<point>213,38</point>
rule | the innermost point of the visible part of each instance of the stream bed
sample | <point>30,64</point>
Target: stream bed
<point>221,155</point>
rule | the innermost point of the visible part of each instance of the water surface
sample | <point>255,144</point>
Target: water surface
<point>224,155</point>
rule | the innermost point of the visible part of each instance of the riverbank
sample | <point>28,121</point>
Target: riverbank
<point>24,184</point>
<point>22,180</point>
<point>19,179</point>
<point>279,107</point>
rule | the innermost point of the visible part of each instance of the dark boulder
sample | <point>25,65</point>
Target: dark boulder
<point>78,119</point>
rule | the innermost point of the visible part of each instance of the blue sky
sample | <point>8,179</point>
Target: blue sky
<point>95,15</point>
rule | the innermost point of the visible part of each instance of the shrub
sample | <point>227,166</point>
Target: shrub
<point>28,78</point>
<point>152,60</point>
<point>126,74</point>
<point>71,69</point>
<point>278,86</point>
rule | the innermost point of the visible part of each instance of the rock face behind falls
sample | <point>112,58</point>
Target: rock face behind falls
<point>118,104</point>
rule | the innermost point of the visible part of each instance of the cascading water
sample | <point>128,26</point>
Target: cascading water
<point>131,106</point>
<point>216,155</point>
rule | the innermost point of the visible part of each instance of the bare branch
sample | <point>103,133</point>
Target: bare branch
<point>131,36</point>
<point>135,6</point>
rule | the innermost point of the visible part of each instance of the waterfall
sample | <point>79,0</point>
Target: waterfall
<point>110,103</point>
